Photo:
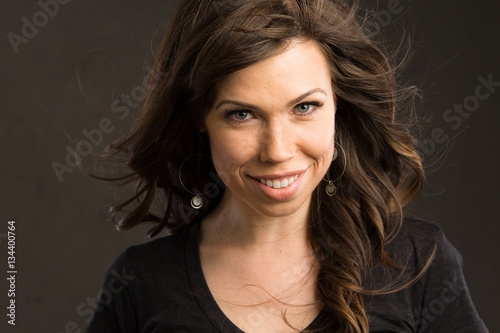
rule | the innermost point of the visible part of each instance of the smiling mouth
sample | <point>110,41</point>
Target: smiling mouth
<point>279,183</point>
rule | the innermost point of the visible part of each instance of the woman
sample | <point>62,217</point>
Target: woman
<point>272,147</point>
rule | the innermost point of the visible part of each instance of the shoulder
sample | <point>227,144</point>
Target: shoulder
<point>164,253</point>
<point>418,231</point>
<point>422,248</point>
<point>164,245</point>
<point>439,299</point>
<point>140,282</point>
<point>423,239</point>
<point>427,245</point>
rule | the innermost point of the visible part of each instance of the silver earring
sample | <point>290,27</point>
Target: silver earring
<point>331,189</point>
<point>197,200</point>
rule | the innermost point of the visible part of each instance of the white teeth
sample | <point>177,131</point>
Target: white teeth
<point>279,184</point>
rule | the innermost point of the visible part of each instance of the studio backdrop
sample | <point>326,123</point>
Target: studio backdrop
<point>72,71</point>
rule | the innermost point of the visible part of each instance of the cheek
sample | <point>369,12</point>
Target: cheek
<point>229,153</point>
<point>318,141</point>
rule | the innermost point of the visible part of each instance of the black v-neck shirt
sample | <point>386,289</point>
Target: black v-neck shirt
<point>160,287</point>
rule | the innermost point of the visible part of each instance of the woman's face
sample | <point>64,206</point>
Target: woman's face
<point>271,130</point>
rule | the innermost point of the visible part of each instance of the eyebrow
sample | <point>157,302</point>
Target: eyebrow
<point>290,104</point>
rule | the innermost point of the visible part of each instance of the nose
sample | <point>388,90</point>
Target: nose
<point>277,143</point>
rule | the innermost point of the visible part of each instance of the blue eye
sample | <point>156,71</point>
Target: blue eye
<point>238,116</point>
<point>241,115</point>
<point>304,108</point>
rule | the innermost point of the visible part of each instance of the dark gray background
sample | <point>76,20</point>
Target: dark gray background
<point>65,242</point>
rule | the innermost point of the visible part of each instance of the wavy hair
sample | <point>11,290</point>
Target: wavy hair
<point>209,39</point>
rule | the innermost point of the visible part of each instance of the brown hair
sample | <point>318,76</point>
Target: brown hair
<point>208,39</point>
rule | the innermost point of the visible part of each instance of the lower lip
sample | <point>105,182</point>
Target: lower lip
<point>280,194</point>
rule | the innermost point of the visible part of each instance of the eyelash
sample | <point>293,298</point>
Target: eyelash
<point>230,113</point>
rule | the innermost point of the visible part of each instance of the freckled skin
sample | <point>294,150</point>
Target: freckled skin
<point>257,236</point>
<point>273,136</point>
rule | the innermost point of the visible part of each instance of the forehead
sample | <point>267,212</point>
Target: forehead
<point>301,67</point>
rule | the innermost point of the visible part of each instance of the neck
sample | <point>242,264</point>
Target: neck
<point>234,225</point>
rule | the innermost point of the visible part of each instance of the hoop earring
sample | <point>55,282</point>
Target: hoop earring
<point>197,200</point>
<point>331,189</point>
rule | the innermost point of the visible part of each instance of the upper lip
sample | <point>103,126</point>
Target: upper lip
<point>280,175</point>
